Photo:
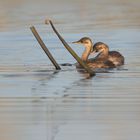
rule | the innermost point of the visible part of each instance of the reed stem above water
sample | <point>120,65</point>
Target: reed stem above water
<point>43,46</point>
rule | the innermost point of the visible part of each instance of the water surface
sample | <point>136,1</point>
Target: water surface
<point>39,103</point>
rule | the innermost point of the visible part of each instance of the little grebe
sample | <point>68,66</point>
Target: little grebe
<point>105,58</point>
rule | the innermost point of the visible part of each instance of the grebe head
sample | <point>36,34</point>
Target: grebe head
<point>86,41</point>
<point>100,47</point>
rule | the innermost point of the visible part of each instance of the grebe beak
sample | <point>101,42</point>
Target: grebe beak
<point>93,52</point>
<point>77,42</point>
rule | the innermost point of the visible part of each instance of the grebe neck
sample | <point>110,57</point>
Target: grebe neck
<point>86,53</point>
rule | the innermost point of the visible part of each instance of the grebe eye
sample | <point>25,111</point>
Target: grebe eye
<point>95,49</point>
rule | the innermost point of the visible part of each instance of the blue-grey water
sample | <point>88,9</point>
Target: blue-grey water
<point>39,103</point>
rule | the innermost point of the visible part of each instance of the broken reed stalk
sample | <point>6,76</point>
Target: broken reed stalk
<point>85,66</point>
<point>43,46</point>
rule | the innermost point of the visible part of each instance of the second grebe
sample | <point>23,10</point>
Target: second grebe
<point>105,58</point>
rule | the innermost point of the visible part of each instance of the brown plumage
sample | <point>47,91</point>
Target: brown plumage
<point>105,58</point>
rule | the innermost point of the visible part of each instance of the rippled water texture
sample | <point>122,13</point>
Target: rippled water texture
<point>39,103</point>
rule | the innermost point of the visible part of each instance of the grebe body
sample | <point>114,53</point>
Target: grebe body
<point>113,56</point>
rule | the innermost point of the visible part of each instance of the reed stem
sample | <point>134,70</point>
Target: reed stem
<point>43,46</point>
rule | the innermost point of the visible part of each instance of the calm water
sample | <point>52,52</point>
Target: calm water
<point>39,103</point>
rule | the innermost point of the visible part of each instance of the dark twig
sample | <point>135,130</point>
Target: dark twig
<point>43,46</point>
